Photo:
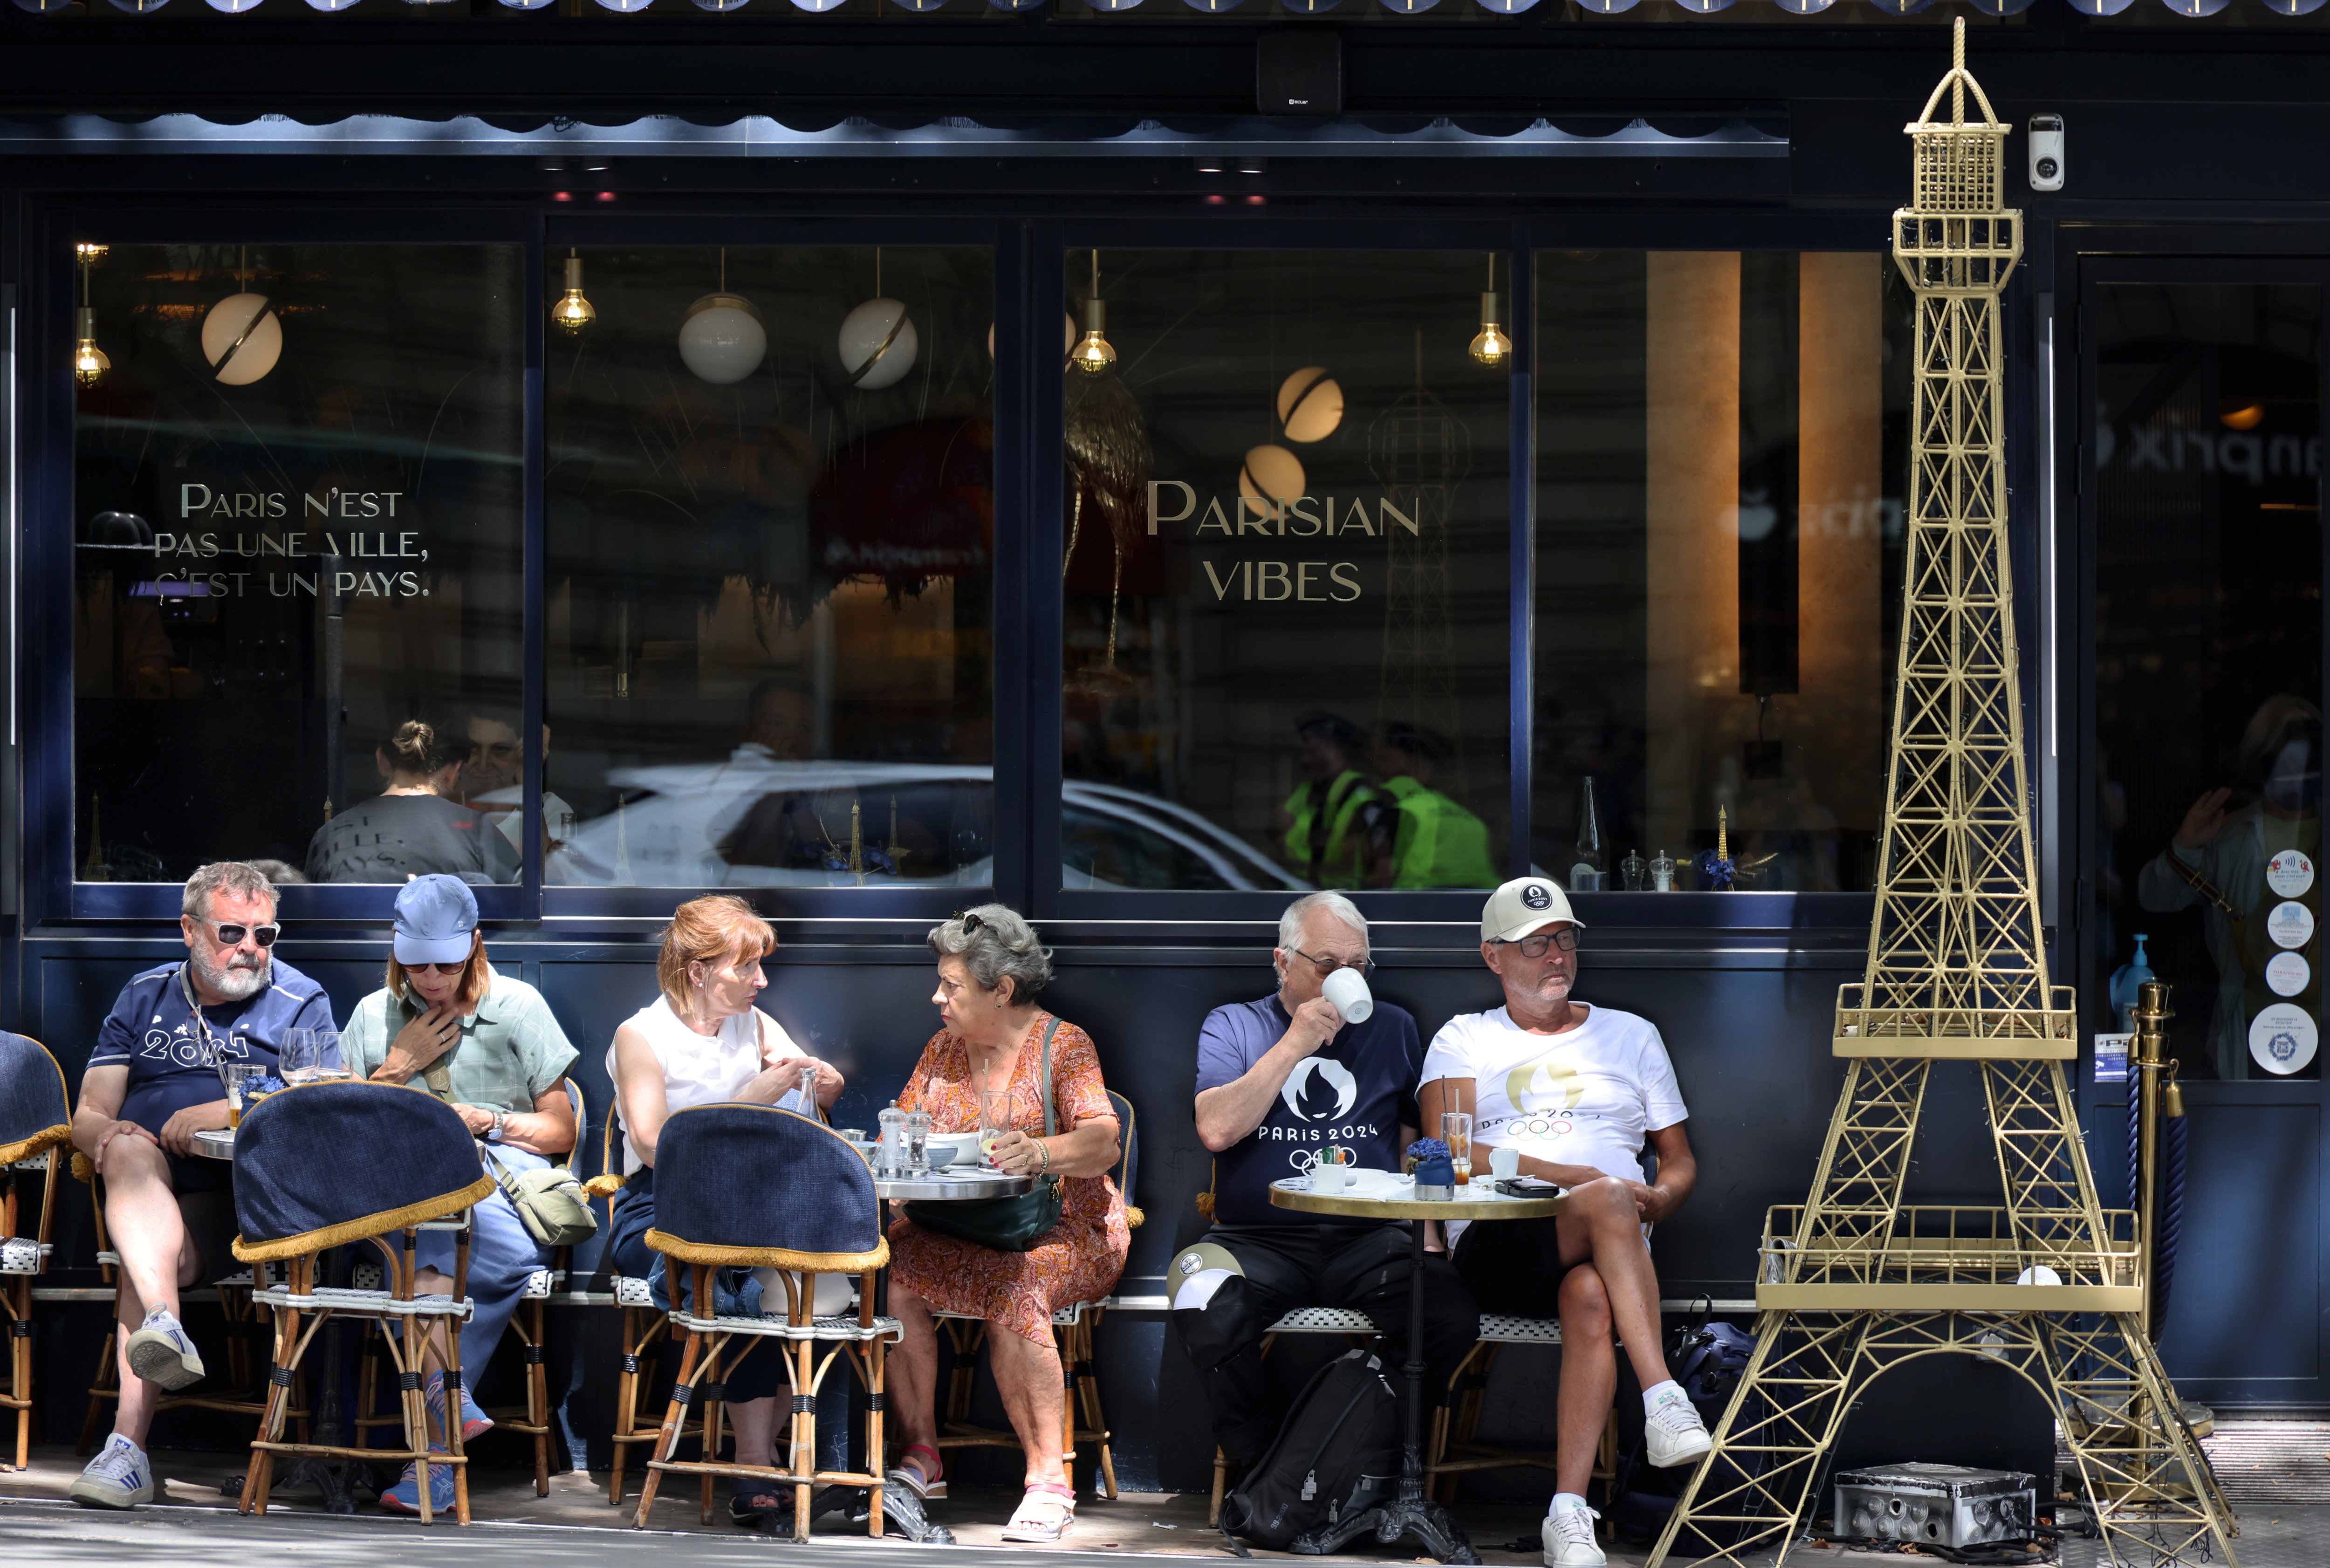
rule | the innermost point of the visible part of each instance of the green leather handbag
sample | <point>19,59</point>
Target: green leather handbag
<point>1014,1224</point>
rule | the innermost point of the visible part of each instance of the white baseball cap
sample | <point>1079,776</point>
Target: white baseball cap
<point>1523,905</point>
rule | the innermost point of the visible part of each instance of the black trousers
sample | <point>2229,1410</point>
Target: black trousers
<point>1360,1267</point>
<point>1513,1267</point>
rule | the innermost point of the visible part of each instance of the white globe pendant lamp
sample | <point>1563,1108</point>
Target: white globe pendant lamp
<point>877,340</point>
<point>1309,404</point>
<point>242,337</point>
<point>721,339</point>
<point>1270,477</point>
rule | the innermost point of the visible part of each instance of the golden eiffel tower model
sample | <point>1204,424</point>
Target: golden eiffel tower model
<point>1854,1281</point>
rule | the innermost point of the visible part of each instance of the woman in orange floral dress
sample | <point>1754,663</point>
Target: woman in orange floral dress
<point>991,971</point>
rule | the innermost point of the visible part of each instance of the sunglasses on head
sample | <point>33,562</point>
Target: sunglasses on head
<point>230,936</point>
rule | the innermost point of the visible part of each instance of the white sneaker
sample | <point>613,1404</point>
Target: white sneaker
<point>119,1477</point>
<point>161,1352</point>
<point>1672,1434</point>
<point>1567,1534</point>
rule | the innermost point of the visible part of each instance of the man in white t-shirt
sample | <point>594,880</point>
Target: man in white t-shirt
<point>1577,1091</point>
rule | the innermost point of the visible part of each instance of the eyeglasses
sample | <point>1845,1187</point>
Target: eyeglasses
<point>1534,947</point>
<point>970,922</point>
<point>453,968</point>
<point>230,936</point>
<point>1328,965</point>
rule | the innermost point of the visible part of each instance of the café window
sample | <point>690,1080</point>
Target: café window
<point>1286,577</point>
<point>1718,564</point>
<point>298,524</point>
<point>769,574</point>
<point>2207,486</point>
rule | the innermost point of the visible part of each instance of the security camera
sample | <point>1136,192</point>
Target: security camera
<point>2046,152</point>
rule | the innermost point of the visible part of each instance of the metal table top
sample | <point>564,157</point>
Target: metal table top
<point>951,1186</point>
<point>1484,1203</point>
<point>215,1143</point>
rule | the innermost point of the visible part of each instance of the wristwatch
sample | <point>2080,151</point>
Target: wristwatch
<point>494,1133</point>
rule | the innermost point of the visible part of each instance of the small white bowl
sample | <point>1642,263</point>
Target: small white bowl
<point>965,1145</point>
<point>941,1155</point>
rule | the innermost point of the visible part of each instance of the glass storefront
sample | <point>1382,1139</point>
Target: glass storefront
<point>298,517</point>
<point>1719,539</point>
<point>769,580</point>
<point>2207,460</point>
<point>1287,633</point>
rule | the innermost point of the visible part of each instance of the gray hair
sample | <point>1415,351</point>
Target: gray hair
<point>1290,924</point>
<point>234,877</point>
<point>993,941</point>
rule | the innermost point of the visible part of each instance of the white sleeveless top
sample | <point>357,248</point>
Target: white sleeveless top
<point>699,1069</point>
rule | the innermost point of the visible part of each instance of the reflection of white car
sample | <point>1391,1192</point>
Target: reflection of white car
<point>680,824</point>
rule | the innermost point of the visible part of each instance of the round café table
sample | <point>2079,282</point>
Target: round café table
<point>215,1143</point>
<point>1411,1516</point>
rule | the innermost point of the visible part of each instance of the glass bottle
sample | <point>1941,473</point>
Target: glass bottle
<point>890,1154</point>
<point>1661,872</point>
<point>1589,869</point>
<point>1634,868</point>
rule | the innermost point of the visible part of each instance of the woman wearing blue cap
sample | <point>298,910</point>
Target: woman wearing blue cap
<point>487,1044</point>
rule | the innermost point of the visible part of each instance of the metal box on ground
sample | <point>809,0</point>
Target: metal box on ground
<point>1936,1505</point>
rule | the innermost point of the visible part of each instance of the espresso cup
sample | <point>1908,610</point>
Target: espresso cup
<point>1504,1163</point>
<point>1348,989</point>
<point>1330,1178</point>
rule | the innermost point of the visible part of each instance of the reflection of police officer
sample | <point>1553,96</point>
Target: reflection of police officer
<point>1338,825</point>
<point>2219,859</point>
<point>1435,843</point>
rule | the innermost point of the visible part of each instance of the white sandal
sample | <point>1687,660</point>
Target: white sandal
<point>1038,1528</point>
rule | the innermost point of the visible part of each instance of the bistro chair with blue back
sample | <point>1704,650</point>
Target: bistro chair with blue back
<point>35,1131</point>
<point>1071,1327</point>
<point>533,1419</point>
<point>321,1165</point>
<point>750,1186</point>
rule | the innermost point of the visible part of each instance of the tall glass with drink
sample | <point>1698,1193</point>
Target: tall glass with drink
<point>299,1055</point>
<point>234,1075</point>
<point>994,1121</point>
<point>1456,1132</point>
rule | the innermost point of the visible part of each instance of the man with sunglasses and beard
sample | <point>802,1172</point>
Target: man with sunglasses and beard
<point>151,1085</point>
<point>1576,1091</point>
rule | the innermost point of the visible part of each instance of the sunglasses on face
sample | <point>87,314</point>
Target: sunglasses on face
<point>452,968</point>
<point>232,936</point>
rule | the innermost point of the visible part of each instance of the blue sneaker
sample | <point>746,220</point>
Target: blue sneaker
<point>405,1497</point>
<point>119,1477</point>
<point>475,1422</point>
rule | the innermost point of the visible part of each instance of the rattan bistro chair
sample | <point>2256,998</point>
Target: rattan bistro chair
<point>323,1165</point>
<point>1071,1327</point>
<point>645,1325</point>
<point>35,1130</point>
<point>750,1186</point>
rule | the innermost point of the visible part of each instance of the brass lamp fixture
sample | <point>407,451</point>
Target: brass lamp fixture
<point>1491,347</point>
<point>1095,354</point>
<point>89,363</point>
<point>573,313</point>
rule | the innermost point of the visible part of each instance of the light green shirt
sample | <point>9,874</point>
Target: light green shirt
<point>511,1053</point>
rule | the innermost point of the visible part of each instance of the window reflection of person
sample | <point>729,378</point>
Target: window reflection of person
<point>1336,827</point>
<point>493,780</point>
<point>1434,842</point>
<point>2280,757</point>
<point>807,823</point>
<point>412,826</point>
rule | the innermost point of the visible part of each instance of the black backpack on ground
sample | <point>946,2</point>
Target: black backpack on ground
<point>1337,1453</point>
<point>1708,1359</point>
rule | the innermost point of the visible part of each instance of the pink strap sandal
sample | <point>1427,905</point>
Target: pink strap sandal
<point>922,1471</point>
<point>1046,1513</point>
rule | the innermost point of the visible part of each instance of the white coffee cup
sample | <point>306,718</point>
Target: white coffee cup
<point>1348,989</point>
<point>1504,1162</point>
<point>1330,1178</point>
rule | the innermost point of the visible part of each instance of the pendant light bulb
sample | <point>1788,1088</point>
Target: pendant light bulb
<point>1491,346</point>
<point>573,313</point>
<point>89,363</point>
<point>1095,355</point>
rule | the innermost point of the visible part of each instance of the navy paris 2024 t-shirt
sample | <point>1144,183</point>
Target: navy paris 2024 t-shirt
<point>1356,1091</point>
<point>152,1031</point>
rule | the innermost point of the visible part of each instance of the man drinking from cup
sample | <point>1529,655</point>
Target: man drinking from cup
<point>152,1081</point>
<point>1319,1064</point>
<point>1569,1093</point>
